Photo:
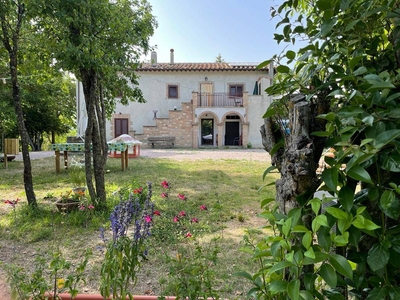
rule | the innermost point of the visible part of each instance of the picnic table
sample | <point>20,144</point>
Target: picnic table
<point>80,147</point>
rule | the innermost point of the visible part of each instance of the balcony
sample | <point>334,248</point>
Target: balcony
<point>218,100</point>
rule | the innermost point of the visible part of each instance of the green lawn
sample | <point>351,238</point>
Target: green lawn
<point>230,189</point>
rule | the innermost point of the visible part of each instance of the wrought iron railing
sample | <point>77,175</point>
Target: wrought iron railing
<point>219,100</point>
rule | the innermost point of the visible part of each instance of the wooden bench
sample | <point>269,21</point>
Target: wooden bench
<point>161,140</point>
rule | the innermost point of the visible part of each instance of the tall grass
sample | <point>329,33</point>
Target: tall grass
<point>228,188</point>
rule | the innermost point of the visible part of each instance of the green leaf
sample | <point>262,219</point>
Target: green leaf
<point>378,293</point>
<point>330,177</point>
<point>279,266</point>
<point>300,228</point>
<point>278,286</point>
<point>310,253</point>
<point>378,257</point>
<point>391,162</point>
<point>269,169</point>
<point>271,111</point>
<point>287,225</point>
<point>277,147</point>
<point>341,265</point>
<point>360,174</point>
<point>315,205</point>
<point>293,289</point>
<point>362,223</point>
<point>394,292</point>
<point>380,86</point>
<point>264,64</point>
<point>385,138</point>
<point>327,26</point>
<point>390,204</point>
<point>283,69</point>
<point>328,274</point>
<point>346,198</point>
<point>266,201</point>
<point>307,240</point>
<point>342,240</point>
<point>291,54</point>
<point>354,61</point>
<point>396,244</point>
<point>338,213</point>
<point>360,71</point>
<point>319,221</point>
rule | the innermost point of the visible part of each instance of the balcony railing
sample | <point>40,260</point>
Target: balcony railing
<point>219,100</point>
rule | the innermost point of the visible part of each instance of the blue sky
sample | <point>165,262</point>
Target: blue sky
<point>198,30</point>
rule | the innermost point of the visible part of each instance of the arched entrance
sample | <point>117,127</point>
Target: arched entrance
<point>208,129</point>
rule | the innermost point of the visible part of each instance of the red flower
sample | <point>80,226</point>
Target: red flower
<point>12,202</point>
<point>138,191</point>
<point>147,219</point>
<point>157,213</point>
<point>164,195</point>
<point>165,184</point>
<point>182,214</point>
<point>194,220</point>
<point>188,235</point>
<point>182,197</point>
<point>203,207</point>
<point>176,219</point>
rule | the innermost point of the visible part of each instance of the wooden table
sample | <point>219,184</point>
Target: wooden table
<point>80,147</point>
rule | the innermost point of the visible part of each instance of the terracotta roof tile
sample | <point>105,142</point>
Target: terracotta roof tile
<point>198,66</point>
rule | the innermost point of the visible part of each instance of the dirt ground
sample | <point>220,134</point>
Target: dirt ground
<point>177,154</point>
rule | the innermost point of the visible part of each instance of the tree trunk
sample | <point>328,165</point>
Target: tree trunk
<point>298,160</point>
<point>94,137</point>
<point>10,40</point>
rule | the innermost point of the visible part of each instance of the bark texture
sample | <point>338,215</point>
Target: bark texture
<point>297,161</point>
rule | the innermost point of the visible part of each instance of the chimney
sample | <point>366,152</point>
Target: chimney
<point>172,56</point>
<point>153,57</point>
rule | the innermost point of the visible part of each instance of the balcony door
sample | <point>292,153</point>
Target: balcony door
<point>206,94</point>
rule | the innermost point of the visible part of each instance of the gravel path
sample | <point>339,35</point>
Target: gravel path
<point>186,154</point>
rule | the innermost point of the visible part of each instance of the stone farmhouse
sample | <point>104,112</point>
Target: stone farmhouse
<point>192,105</point>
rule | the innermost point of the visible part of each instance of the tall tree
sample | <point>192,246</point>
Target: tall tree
<point>347,81</point>
<point>13,18</point>
<point>100,42</point>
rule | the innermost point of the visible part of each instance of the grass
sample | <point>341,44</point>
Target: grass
<point>229,189</point>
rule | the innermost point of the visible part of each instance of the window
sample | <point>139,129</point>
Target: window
<point>236,90</point>
<point>173,91</point>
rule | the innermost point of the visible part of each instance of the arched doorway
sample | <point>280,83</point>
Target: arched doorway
<point>207,132</point>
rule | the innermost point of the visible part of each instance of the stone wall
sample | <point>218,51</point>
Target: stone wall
<point>178,125</point>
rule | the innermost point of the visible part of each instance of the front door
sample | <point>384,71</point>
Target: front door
<point>232,134</point>
<point>207,129</point>
<point>120,126</point>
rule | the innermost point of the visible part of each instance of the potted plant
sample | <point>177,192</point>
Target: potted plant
<point>70,200</point>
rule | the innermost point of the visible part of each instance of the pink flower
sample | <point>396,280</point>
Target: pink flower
<point>188,235</point>
<point>81,207</point>
<point>138,191</point>
<point>176,219</point>
<point>164,195</point>
<point>165,184</point>
<point>182,197</point>
<point>203,207</point>
<point>147,219</point>
<point>182,214</point>
<point>91,206</point>
<point>194,220</point>
<point>157,213</point>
